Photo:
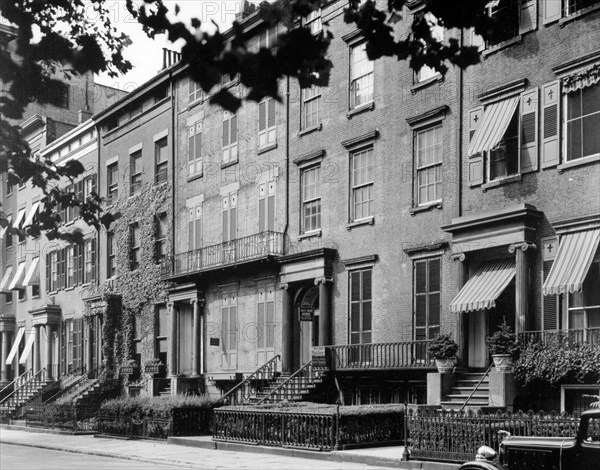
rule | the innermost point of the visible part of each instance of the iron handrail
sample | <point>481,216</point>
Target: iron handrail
<point>15,381</point>
<point>247,380</point>
<point>487,372</point>
<point>72,385</point>
<point>15,393</point>
<point>290,379</point>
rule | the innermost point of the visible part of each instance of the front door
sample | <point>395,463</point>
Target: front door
<point>308,308</point>
<point>265,324</point>
<point>185,339</point>
<point>478,330</point>
<point>229,330</point>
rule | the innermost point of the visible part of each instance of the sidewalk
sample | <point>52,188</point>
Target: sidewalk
<point>190,451</point>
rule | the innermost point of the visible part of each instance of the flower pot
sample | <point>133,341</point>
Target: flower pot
<point>445,365</point>
<point>502,362</point>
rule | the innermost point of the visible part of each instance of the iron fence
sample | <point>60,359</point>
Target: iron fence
<point>135,428</point>
<point>455,436</point>
<point>66,417</point>
<point>406,354</point>
<point>565,337</point>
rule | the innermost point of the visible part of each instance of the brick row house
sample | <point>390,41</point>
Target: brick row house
<point>353,222</point>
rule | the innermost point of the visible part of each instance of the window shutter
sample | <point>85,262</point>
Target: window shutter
<point>225,219</point>
<point>226,130</point>
<point>271,112</point>
<point>552,11</point>
<point>198,148</point>
<point>62,264</point>
<point>191,229</point>
<point>48,273</point>
<point>63,348</point>
<point>475,162</point>
<point>233,217</point>
<point>550,124</point>
<point>93,269</point>
<point>262,116</point>
<point>191,144</point>
<point>528,157</point>
<point>528,17</point>
<point>95,183</point>
<point>262,200</point>
<point>80,263</point>
<point>198,228</point>
<point>271,206</point>
<point>550,302</point>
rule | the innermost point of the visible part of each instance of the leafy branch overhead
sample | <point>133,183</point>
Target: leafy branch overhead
<point>58,39</point>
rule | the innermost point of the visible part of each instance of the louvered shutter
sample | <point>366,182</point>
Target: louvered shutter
<point>528,157</point>
<point>262,201</point>
<point>552,11</point>
<point>225,227</point>
<point>475,162</point>
<point>528,16</point>
<point>48,273</point>
<point>63,348</point>
<point>198,228</point>
<point>233,217</point>
<point>550,302</point>
<point>550,124</point>
<point>93,261</point>
<point>198,149</point>
<point>79,250</point>
<point>271,206</point>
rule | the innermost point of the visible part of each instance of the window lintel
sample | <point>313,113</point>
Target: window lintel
<point>310,158</point>
<point>361,140</point>
<point>503,91</point>
<point>429,117</point>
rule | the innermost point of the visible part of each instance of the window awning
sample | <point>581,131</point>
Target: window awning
<point>484,287</point>
<point>28,345</point>
<point>3,229</point>
<point>32,278</point>
<point>496,119</point>
<point>31,214</point>
<point>4,284</point>
<point>17,282</point>
<point>15,346</point>
<point>573,259</point>
<point>19,218</point>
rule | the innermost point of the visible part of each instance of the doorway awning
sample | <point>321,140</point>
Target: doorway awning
<point>484,287</point>
<point>573,259</point>
<point>15,346</point>
<point>493,126</point>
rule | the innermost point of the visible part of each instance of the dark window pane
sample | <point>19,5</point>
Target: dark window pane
<point>420,310</point>
<point>591,291</point>
<point>366,285</point>
<point>590,99</point>
<point>591,135</point>
<point>573,105</point>
<point>355,286</point>
<point>355,317</point>
<point>434,309</point>
<point>366,324</point>
<point>574,140</point>
<point>434,275</point>
<point>420,277</point>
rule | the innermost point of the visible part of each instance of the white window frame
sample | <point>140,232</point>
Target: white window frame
<point>313,22</point>
<point>112,185</point>
<point>267,134</point>
<point>230,146</point>
<point>311,100</point>
<point>135,178</point>
<point>585,308</point>
<point>355,188</point>
<point>134,246</point>
<point>310,201</point>
<point>195,149</point>
<point>427,169</point>
<point>195,92</point>
<point>161,166</point>
<point>565,125</point>
<point>356,80</point>
<point>111,255</point>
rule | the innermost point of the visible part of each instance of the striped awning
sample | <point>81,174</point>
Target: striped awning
<point>492,128</point>
<point>28,346</point>
<point>17,282</point>
<point>32,213</point>
<point>484,287</point>
<point>4,229</point>
<point>573,259</point>
<point>32,278</point>
<point>6,280</point>
<point>15,346</point>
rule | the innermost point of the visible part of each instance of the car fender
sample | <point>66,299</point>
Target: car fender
<point>481,465</point>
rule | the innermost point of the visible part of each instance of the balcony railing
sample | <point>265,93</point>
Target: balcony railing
<point>402,355</point>
<point>240,250</point>
<point>579,336</point>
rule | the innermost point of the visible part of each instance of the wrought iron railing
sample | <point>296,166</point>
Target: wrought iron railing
<point>16,383</point>
<point>251,384</point>
<point>295,385</point>
<point>74,385</point>
<point>23,392</point>
<point>406,354</point>
<point>69,417</point>
<point>487,372</point>
<point>257,246</point>
<point>134,428</point>
<point>573,336</point>
<point>455,436</point>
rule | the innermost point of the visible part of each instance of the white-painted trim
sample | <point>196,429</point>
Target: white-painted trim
<point>112,160</point>
<point>194,201</point>
<point>135,148</point>
<point>194,118</point>
<point>229,188</point>
<point>270,175</point>
<point>160,135</point>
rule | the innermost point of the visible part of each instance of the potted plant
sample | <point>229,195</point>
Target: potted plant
<point>443,349</point>
<point>153,366</point>
<point>129,367</point>
<point>504,347</point>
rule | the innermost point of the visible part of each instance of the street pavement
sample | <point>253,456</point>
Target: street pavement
<point>164,455</point>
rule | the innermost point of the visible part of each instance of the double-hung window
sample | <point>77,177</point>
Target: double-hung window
<point>311,198</point>
<point>111,258</point>
<point>135,169</point>
<point>160,237</point>
<point>361,306</point>
<point>194,91</point>
<point>553,10</point>
<point>428,159</point>
<point>311,104</point>
<point>361,184</point>
<point>161,159</point>
<point>230,217</point>
<point>427,303</point>
<point>513,18</point>
<point>195,148</point>
<point>89,248</point>
<point>582,122</point>
<point>266,122</point>
<point>361,76</point>
<point>230,137</point>
<point>313,22</point>
<point>134,246</point>
<point>112,181</point>
<point>584,306</point>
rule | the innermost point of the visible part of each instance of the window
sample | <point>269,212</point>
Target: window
<point>574,6</point>
<point>230,137</point>
<point>582,122</point>
<point>425,73</point>
<point>9,186</point>
<point>361,77</point>
<point>194,91</point>
<point>514,17</point>
<point>89,248</point>
<point>229,328</point>
<point>111,266</point>
<point>19,224</point>
<point>427,305</point>
<point>135,168</point>
<point>160,93</point>
<point>160,229</point>
<point>361,183</point>
<point>361,300</point>
<point>313,22</point>
<point>4,284</point>
<point>266,207</point>
<point>195,149</point>
<point>195,227</point>
<point>70,266</point>
<point>161,160</point>
<point>134,246</point>
<point>268,38</point>
<point>428,149</point>
<point>311,104</point>
<point>112,179</point>
<point>4,232</point>
<point>89,187</point>
<point>503,159</point>
<point>266,122</point>
<point>311,198</point>
<point>266,318</point>
<point>230,217</point>
<point>553,9</point>
<point>52,262</point>
<point>584,306</point>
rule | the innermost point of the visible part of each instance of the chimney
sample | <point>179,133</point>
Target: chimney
<point>84,115</point>
<point>170,58</point>
<point>246,9</point>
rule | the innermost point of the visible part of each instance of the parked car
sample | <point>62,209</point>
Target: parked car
<point>541,453</point>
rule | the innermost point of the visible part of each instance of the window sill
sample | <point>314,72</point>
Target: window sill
<point>579,162</point>
<point>425,83</point>
<point>426,207</point>
<point>69,288</point>
<point>228,164</point>
<point>567,19</point>
<point>357,223</point>
<point>311,234</point>
<point>194,177</point>
<point>361,109</point>
<point>266,148</point>
<point>502,181</point>
<point>502,45</point>
<point>310,129</point>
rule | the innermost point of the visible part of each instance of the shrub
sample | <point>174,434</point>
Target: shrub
<point>443,347</point>
<point>503,341</point>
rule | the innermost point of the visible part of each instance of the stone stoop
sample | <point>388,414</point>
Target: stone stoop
<point>463,388</point>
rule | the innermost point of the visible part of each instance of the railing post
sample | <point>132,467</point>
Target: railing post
<point>405,453</point>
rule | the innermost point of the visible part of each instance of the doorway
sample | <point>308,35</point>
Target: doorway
<point>307,309</point>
